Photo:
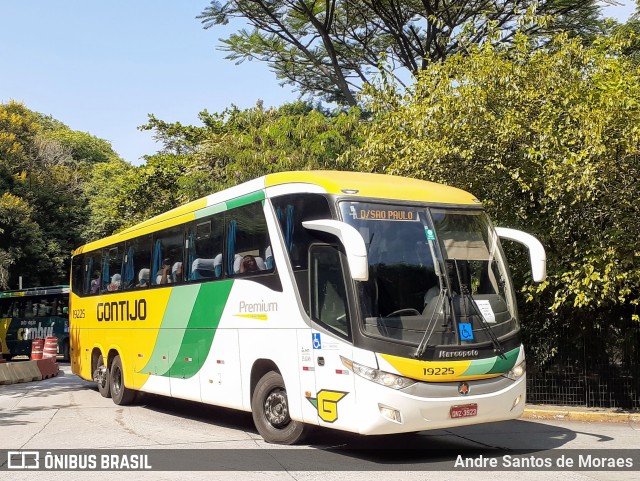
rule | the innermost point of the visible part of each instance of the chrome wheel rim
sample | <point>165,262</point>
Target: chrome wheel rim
<point>117,380</point>
<point>276,409</point>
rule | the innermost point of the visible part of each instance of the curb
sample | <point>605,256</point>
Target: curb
<point>560,414</point>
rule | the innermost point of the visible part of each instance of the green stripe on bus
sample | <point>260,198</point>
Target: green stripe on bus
<point>172,328</point>
<point>201,329</point>
<point>212,209</point>
<point>245,199</point>
<point>505,365</point>
<point>492,365</point>
<point>479,366</point>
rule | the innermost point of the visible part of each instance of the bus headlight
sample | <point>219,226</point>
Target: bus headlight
<point>517,371</point>
<point>381,377</point>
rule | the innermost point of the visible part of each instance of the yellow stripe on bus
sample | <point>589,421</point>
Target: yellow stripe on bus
<point>375,185</point>
<point>433,371</point>
<point>255,317</point>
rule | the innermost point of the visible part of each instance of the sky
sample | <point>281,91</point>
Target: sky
<point>103,66</point>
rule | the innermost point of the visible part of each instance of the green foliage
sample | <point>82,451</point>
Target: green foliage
<point>235,146</point>
<point>549,139</point>
<point>104,191</point>
<point>45,169</point>
<point>17,129</point>
<point>82,146</point>
<point>17,233</point>
<point>150,189</point>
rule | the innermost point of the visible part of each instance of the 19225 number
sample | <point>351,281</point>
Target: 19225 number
<point>438,371</point>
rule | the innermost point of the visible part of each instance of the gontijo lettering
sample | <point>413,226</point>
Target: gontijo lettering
<point>122,310</point>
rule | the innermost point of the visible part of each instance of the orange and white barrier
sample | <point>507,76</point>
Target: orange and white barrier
<point>50,348</point>
<point>37,348</point>
<point>47,368</point>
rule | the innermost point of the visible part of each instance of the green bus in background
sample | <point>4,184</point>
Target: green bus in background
<point>28,314</point>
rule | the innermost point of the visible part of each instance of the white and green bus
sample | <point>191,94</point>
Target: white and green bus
<point>361,302</point>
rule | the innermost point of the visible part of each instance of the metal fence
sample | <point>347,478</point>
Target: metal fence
<point>599,367</point>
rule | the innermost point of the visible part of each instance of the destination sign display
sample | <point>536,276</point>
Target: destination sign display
<point>381,213</point>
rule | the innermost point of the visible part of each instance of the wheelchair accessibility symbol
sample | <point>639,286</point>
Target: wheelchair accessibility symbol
<point>317,343</point>
<point>466,333</point>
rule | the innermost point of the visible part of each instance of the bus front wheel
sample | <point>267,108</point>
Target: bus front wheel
<point>270,411</point>
<point>120,394</point>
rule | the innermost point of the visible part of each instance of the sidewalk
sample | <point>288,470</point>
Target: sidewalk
<point>577,413</point>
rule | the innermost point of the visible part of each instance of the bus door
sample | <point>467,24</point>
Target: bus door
<point>334,398</point>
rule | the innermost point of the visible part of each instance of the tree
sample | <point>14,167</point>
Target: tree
<point>235,146</point>
<point>549,139</point>
<point>18,234</point>
<point>331,48</point>
<point>105,190</point>
<point>44,170</point>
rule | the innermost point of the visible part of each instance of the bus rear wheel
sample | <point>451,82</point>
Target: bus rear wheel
<point>270,411</point>
<point>120,394</point>
<point>104,385</point>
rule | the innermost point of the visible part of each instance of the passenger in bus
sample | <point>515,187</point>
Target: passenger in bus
<point>176,273</point>
<point>95,282</point>
<point>115,283</point>
<point>248,264</point>
<point>143,278</point>
<point>164,274</point>
<point>45,308</point>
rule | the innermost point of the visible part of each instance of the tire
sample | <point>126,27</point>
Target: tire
<point>104,388</point>
<point>120,394</point>
<point>270,411</point>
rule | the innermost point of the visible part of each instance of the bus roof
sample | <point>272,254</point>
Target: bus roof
<point>380,186</point>
<point>36,291</point>
<point>348,184</point>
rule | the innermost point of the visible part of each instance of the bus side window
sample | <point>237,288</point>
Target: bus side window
<point>17,309</point>
<point>112,258</point>
<point>29,309</point>
<point>328,297</point>
<point>247,240</point>
<point>166,266</point>
<point>91,264</point>
<point>77,274</point>
<point>291,211</point>
<point>137,263</point>
<point>203,249</point>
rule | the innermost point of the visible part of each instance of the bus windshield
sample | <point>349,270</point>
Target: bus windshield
<point>437,277</point>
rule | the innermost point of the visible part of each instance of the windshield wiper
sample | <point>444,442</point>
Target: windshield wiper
<point>466,295</point>
<point>425,338</point>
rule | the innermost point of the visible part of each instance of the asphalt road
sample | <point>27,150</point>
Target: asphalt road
<point>67,413</point>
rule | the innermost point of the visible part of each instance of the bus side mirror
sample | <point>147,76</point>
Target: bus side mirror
<point>536,251</point>
<point>351,240</point>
